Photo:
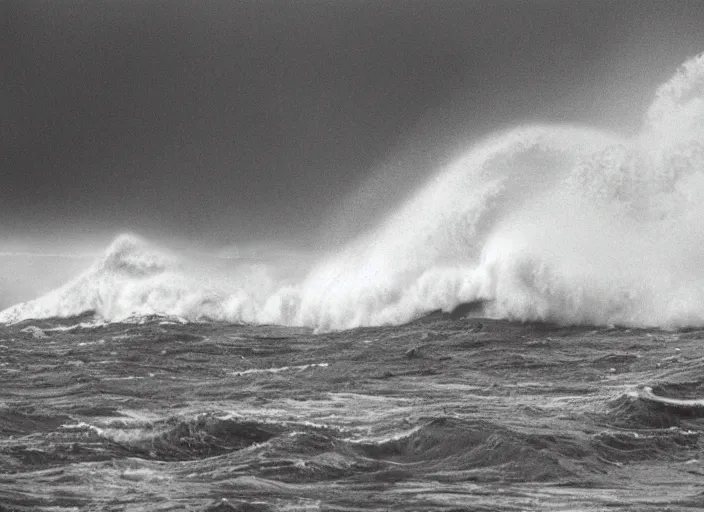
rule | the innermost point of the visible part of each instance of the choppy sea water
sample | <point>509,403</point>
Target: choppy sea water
<point>439,414</point>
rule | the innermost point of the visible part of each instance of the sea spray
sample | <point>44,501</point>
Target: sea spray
<point>546,222</point>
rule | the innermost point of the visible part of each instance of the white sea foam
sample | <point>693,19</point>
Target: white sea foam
<point>82,325</point>
<point>280,369</point>
<point>544,222</point>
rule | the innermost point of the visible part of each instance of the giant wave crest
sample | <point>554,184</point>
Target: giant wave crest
<point>541,222</point>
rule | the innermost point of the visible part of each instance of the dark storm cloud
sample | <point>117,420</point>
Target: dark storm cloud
<point>241,120</point>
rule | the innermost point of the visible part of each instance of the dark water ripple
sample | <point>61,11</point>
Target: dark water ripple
<point>441,414</point>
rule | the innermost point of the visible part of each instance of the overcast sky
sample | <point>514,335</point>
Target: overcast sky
<point>222,122</point>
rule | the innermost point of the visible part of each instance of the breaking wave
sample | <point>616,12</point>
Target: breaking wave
<point>555,223</point>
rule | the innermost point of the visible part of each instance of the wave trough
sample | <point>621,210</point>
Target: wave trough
<point>553,223</point>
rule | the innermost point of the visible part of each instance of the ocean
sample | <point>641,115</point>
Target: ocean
<point>522,333</point>
<point>438,414</point>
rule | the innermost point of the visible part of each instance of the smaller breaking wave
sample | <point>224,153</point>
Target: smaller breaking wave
<point>134,280</point>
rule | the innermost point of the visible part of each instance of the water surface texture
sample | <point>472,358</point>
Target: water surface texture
<point>439,414</point>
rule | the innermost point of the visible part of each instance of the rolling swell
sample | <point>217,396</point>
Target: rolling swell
<point>452,449</point>
<point>482,450</point>
<point>639,428</point>
<point>204,436</point>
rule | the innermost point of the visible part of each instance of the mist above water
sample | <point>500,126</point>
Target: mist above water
<point>542,222</point>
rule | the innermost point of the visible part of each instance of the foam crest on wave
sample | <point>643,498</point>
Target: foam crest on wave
<point>134,279</point>
<point>554,223</point>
